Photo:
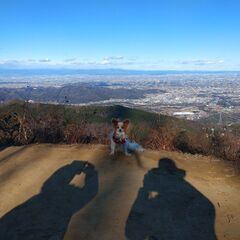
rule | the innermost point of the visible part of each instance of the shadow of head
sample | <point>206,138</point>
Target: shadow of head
<point>168,166</point>
<point>47,214</point>
<point>61,179</point>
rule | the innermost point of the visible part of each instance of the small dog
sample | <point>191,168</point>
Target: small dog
<point>119,138</point>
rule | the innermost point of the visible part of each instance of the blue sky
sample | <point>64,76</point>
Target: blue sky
<point>129,34</point>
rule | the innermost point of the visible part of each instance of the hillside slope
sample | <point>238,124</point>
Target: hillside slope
<point>47,193</point>
<point>22,123</point>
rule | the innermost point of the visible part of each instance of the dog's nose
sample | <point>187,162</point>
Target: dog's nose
<point>120,130</point>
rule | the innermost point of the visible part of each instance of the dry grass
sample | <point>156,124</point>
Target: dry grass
<point>50,127</point>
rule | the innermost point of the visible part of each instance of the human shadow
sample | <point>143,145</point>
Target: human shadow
<point>169,208</point>
<point>46,215</point>
<point>4,146</point>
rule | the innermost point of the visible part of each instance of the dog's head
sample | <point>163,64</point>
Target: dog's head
<point>120,128</point>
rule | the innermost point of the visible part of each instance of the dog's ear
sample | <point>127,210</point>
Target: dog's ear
<point>125,124</point>
<point>114,122</point>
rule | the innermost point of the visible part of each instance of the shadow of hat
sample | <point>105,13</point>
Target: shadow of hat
<point>168,166</point>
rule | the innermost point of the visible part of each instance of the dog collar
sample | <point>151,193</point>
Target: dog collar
<point>116,140</point>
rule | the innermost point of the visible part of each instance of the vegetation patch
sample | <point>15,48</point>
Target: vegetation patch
<point>23,123</point>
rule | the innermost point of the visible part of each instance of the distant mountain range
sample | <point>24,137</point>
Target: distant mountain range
<point>30,72</point>
<point>71,93</point>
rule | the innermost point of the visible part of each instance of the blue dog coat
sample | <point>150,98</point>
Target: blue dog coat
<point>130,146</point>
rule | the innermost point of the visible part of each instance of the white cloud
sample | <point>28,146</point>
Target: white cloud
<point>111,61</point>
<point>31,60</point>
<point>105,62</point>
<point>45,60</point>
<point>114,58</point>
<point>201,62</point>
<point>11,63</point>
<point>121,62</point>
<point>70,60</point>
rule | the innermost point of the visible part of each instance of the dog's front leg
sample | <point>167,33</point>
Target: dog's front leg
<point>125,149</point>
<point>113,146</point>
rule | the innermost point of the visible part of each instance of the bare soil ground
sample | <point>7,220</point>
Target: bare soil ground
<point>47,192</point>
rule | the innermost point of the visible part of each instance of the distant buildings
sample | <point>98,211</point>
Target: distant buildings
<point>184,95</point>
<point>187,115</point>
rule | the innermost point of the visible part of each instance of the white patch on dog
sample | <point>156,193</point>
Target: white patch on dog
<point>118,136</point>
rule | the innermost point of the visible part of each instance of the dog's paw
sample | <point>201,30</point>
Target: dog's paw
<point>140,149</point>
<point>128,154</point>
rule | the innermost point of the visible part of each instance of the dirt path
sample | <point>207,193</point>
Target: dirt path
<point>46,192</point>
